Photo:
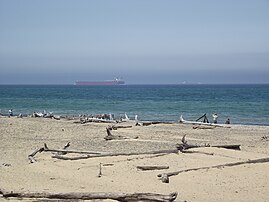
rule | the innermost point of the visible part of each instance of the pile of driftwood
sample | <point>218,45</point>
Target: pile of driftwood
<point>60,153</point>
<point>184,148</point>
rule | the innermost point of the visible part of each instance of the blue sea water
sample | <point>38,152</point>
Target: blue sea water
<point>243,104</point>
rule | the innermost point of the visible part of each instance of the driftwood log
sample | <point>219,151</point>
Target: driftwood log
<point>60,152</point>
<point>185,146</point>
<point>152,167</point>
<point>74,151</point>
<point>116,154</point>
<point>203,127</point>
<point>116,127</point>
<point>261,160</point>
<point>181,120</point>
<point>113,137</point>
<point>93,195</point>
<point>31,156</point>
<point>164,178</point>
<point>151,123</point>
<point>95,120</point>
<point>90,154</point>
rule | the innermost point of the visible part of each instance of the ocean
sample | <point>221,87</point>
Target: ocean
<point>242,104</point>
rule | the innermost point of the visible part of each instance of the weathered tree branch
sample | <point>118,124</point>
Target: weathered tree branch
<point>116,154</point>
<point>152,167</point>
<point>261,160</point>
<point>185,146</point>
<point>113,137</point>
<point>31,156</point>
<point>203,127</point>
<point>115,127</point>
<point>60,151</point>
<point>94,195</point>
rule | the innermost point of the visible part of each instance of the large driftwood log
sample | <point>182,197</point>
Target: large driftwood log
<point>185,146</point>
<point>94,195</point>
<point>152,167</point>
<point>148,123</point>
<point>197,152</point>
<point>181,120</point>
<point>116,154</point>
<point>74,151</point>
<point>261,160</point>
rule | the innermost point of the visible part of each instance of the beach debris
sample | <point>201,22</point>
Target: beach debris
<point>113,137</point>
<point>116,154</point>
<point>203,127</point>
<point>100,170</point>
<point>152,167</point>
<point>93,195</point>
<point>203,118</point>
<point>108,164</point>
<point>115,127</point>
<point>31,156</point>
<point>148,123</point>
<point>6,164</point>
<point>265,138</point>
<point>19,116</point>
<point>164,178</point>
<point>67,145</point>
<point>182,120</point>
<point>37,114</point>
<point>126,118</point>
<point>183,140</point>
<point>142,123</point>
<point>60,152</point>
<point>46,115</point>
<point>56,117</point>
<point>98,118</point>
<point>185,146</point>
<point>260,160</point>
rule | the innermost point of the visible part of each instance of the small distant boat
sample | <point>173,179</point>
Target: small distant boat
<point>116,81</point>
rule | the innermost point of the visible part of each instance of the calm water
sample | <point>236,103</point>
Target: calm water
<point>243,104</point>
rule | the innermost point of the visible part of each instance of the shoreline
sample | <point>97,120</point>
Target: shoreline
<point>78,116</point>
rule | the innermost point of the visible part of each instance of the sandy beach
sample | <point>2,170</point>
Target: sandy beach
<point>246,182</point>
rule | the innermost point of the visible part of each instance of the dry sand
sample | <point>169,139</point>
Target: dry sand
<point>21,136</point>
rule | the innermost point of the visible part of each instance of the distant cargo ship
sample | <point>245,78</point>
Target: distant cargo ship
<point>115,81</point>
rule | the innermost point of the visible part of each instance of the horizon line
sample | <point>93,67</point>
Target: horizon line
<point>179,84</point>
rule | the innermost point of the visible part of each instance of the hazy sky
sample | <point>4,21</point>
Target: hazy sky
<point>143,41</point>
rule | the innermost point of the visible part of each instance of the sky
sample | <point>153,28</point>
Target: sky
<point>142,41</point>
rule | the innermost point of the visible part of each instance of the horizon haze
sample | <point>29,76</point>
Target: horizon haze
<point>144,42</point>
